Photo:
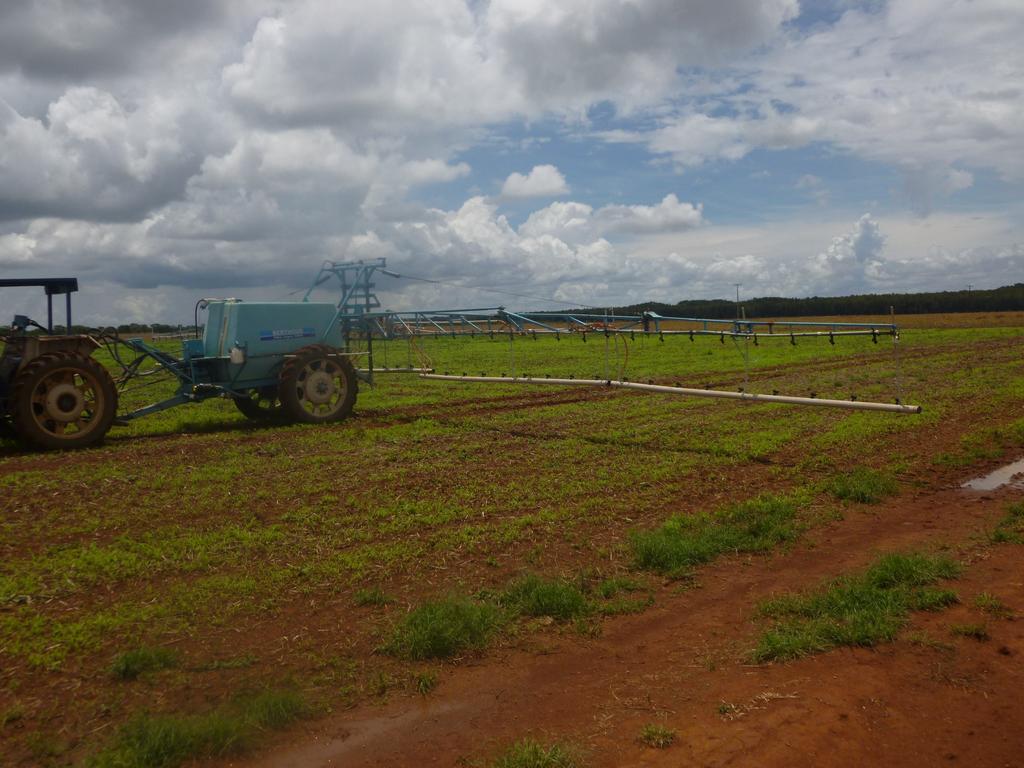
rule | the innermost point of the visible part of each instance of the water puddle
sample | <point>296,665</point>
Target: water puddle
<point>1012,476</point>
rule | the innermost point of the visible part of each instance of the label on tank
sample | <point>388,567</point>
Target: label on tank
<point>287,333</point>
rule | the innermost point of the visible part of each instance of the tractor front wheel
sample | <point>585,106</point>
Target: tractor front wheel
<point>318,385</point>
<point>63,401</point>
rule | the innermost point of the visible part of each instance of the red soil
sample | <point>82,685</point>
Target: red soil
<point>943,700</point>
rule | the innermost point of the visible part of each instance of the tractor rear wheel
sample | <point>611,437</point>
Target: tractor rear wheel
<point>261,403</point>
<point>63,401</point>
<point>318,386</point>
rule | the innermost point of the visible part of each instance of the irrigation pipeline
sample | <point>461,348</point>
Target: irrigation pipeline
<point>419,331</point>
<point>750,397</point>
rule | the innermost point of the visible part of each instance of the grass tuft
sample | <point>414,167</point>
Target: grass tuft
<point>621,606</point>
<point>162,741</point>
<point>425,682</point>
<point>993,606</point>
<point>533,595</point>
<point>860,610</point>
<point>374,596</point>
<point>12,714</point>
<point>238,662</point>
<point>615,585</point>
<point>130,664</point>
<point>923,639</point>
<point>681,543</point>
<point>529,753</point>
<point>1010,530</point>
<point>974,631</point>
<point>442,628</point>
<point>273,709</point>
<point>657,736</point>
<point>863,485</point>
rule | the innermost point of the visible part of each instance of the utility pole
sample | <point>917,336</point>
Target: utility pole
<point>738,286</point>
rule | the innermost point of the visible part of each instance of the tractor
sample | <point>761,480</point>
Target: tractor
<point>53,394</point>
<point>286,360</point>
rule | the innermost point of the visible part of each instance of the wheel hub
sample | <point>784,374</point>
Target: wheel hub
<point>64,403</point>
<point>320,387</point>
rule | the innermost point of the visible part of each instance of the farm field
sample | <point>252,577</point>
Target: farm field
<point>461,567</point>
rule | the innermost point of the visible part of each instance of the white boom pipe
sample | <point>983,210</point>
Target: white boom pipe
<point>750,397</point>
<point>395,370</point>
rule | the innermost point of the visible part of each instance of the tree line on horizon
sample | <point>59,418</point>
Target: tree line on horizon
<point>1008,298</point>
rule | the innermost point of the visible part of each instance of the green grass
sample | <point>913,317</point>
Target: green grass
<point>859,610</point>
<point>372,596</point>
<point>71,569</point>
<point>615,585</point>
<point>46,642</point>
<point>620,606</point>
<point>238,662</point>
<point>529,753</point>
<point>425,682</point>
<point>983,443</point>
<point>613,596</point>
<point>430,483</point>
<point>138,661</point>
<point>863,485</point>
<point>973,631</point>
<point>533,595</point>
<point>925,640</point>
<point>992,605</point>
<point>684,542</point>
<point>12,714</point>
<point>657,736</point>
<point>443,628</point>
<point>162,741</point>
<point>1010,530</point>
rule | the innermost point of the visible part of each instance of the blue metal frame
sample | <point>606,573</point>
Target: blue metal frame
<point>192,372</point>
<point>358,299</point>
<point>470,322</point>
<point>195,382</point>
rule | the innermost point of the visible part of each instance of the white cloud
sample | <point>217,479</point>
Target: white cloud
<point>475,247</point>
<point>431,171</point>
<point>541,181</point>
<point>694,138</point>
<point>577,221</point>
<point>400,65</point>
<point>670,215</point>
<point>16,250</point>
<point>805,256</point>
<point>554,253</point>
<point>570,221</point>
<point>849,259</point>
<point>140,307</point>
<point>567,55</point>
<point>240,143</point>
<point>930,88</point>
<point>76,38</point>
<point>728,270</point>
<point>92,157</point>
<point>424,63</point>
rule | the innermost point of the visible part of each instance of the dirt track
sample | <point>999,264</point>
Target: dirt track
<point>951,701</point>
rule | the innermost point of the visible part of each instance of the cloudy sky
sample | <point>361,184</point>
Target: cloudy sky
<point>592,151</point>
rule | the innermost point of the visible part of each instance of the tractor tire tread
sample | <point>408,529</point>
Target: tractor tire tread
<point>26,379</point>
